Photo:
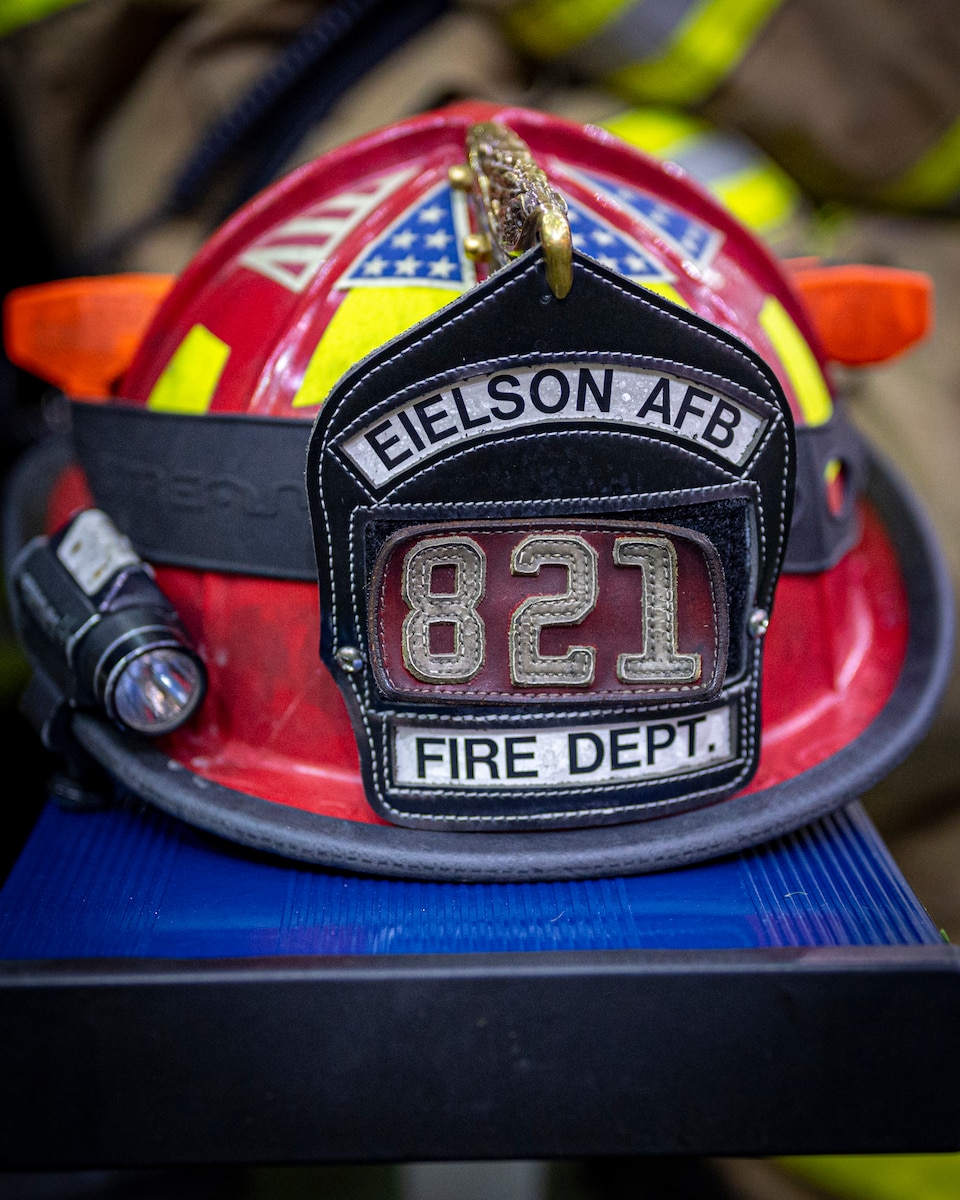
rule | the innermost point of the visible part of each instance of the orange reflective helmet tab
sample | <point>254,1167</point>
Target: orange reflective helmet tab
<point>80,334</point>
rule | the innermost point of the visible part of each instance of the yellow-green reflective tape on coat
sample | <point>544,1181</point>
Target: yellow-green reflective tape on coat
<point>550,28</point>
<point>882,1176</point>
<point>933,181</point>
<point>741,177</point>
<point>706,45</point>
<point>14,13</point>
<point>663,132</point>
<point>655,51</point>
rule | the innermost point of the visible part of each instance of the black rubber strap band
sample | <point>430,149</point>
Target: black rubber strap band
<point>226,493</point>
<point>217,493</point>
<point>820,535</point>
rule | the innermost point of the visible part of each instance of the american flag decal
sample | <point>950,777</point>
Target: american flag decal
<point>292,253</point>
<point>690,239</point>
<point>424,248</point>
<point>613,248</point>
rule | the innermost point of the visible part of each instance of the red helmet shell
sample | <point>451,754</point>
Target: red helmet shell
<point>291,292</point>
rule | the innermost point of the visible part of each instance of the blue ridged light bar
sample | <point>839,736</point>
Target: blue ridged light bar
<point>118,884</point>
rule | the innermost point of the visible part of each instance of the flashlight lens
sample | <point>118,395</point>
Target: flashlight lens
<point>157,691</point>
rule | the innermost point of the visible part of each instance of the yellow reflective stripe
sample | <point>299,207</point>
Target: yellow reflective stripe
<point>933,180</point>
<point>882,1176</point>
<point>668,291</point>
<point>549,28</point>
<point>704,49</point>
<point>14,13</point>
<point>367,317</point>
<point>801,367</point>
<point>659,131</point>
<point>191,376</point>
<point>762,197</point>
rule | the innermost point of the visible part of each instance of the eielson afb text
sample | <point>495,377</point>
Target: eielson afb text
<point>569,393</point>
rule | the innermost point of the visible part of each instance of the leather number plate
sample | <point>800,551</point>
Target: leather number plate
<point>502,613</point>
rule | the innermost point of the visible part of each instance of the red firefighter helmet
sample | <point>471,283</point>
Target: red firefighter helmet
<point>607,583</point>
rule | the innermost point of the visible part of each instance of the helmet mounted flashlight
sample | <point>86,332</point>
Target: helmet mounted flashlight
<point>101,631</point>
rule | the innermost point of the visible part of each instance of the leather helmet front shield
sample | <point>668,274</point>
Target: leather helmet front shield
<point>548,533</point>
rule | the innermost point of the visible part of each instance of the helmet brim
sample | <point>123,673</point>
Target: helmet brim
<point>730,825</point>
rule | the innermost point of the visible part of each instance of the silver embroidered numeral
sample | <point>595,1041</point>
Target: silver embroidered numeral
<point>528,666</point>
<point>659,661</point>
<point>457,608</point>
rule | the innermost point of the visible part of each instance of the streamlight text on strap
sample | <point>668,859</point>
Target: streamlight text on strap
<point>577,393</point>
